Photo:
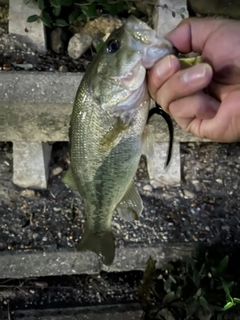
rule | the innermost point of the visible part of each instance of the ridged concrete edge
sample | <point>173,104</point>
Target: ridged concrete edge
<point>38,264</point>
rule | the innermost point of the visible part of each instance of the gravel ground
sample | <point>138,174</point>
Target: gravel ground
<point>205,207</point>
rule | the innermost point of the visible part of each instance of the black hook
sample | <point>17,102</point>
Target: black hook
<point>158,110</point>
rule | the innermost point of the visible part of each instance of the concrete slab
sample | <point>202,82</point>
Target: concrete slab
<point>30,33</point>
<point>37,264</point>
<point>30,164</point>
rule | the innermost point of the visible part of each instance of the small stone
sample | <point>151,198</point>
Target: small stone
<point>188,194</point>
<point>147,187</point>
<point>7,66</point>
<point>101,25</point>
<point>27,193</point>
<point>106,36</point>
<point>57,171</point>
<point>96,41</point>
<point>35,236</point>
<point>226,228</point>
<point>41,284</point>
<point>63,68</point>
<point>58,40</point>
<point>219,181</point>
<point>78,44</point>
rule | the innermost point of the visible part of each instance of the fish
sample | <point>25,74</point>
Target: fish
<point>108,132</point>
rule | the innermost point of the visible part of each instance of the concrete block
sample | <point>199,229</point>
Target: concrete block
<point>159,176</point>
<point>31,33</point>
<point>168,14</point>
<point>30,164</point>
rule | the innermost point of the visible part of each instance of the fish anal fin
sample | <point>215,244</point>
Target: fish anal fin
<point>100,243</point>
<point>131,205</point>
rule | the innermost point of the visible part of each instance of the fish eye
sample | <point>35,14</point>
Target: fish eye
<point>113,46</point>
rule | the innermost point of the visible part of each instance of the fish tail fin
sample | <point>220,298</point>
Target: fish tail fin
<point>100,244</point>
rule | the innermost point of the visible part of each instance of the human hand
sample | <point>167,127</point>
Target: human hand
<point>203,99</point>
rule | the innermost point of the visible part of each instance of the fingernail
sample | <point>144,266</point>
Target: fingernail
<point>163,67</point>
<point>196,73</point>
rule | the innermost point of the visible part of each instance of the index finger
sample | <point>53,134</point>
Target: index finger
<point>192,33</point>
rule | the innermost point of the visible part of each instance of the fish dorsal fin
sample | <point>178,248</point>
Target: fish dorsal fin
<point>69,180</point>
<point>131,205</point>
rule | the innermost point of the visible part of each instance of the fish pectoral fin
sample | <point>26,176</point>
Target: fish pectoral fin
<point>147,143</point>
<point>69,180</point>
<point>99,243</point>
<point>131,205</point>
<point>113,136</point>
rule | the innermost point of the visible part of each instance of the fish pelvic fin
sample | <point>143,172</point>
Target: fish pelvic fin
<point>100,243</point>
<point>131,205</point>
<point>68,179</point>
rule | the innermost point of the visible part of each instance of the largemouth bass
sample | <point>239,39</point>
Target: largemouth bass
<point>108,131</point>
